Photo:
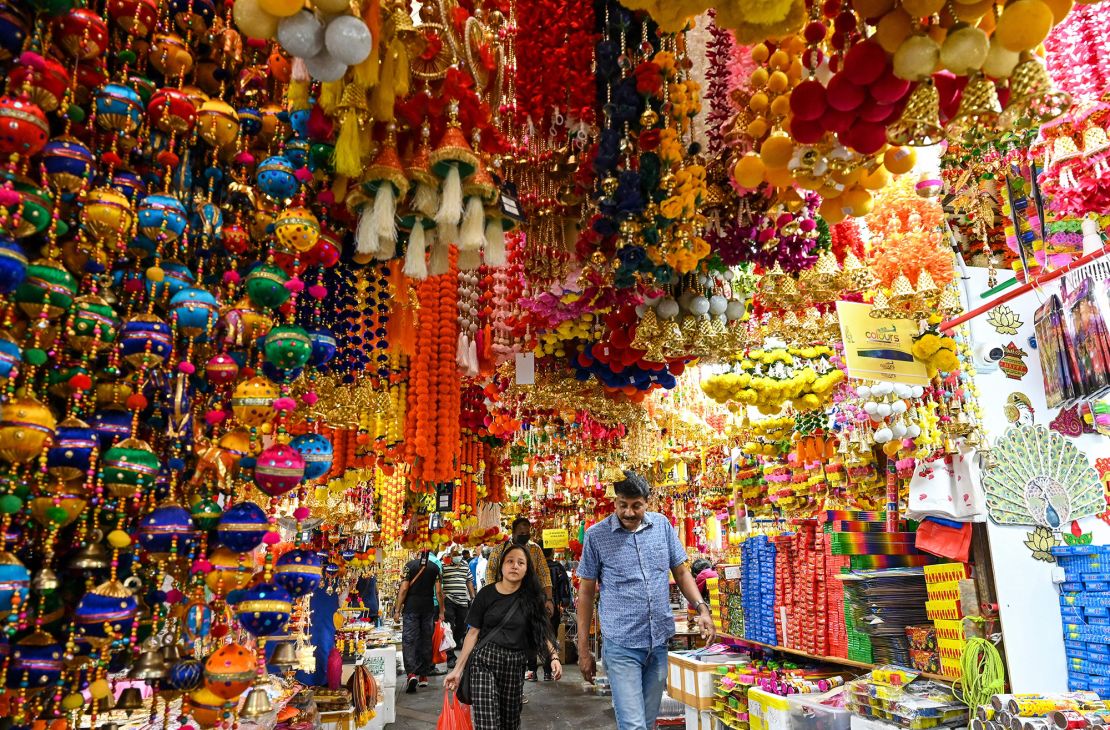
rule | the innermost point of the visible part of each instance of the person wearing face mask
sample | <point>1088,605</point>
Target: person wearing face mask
<point>631,554</point>
<point>521,535</point>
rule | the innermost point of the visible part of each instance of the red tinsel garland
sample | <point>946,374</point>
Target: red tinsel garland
<point>1078,48</point>
<point>554,53</point>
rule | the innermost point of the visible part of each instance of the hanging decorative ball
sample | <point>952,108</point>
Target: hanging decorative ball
<point>264,609</point>
<point>68,163</point>
<point>278,469</point>
<point>107,215</point>
<point>287,347</point>
<point>170,55</point>
<point>82,33</point>
<point>35,206</point>
<point>221,369</point>
<point>25,425</point>
<point>118,108</point>
<point>326,252</point>
<point>195,311</point>
<point>229,670</point>
<point>13,264</point>
<point>317,453</point>
<point>198,619</point>
<point>276,177</point>
<point>236,444</point>
<point>297,228</point>
<point>206,513</point>
<point>10,356</point>
<point>324,346</point>
<point>37,659</point>
<point>299,571</point>
<point>205,706</point>
<point>230,572</point>
<point>186,675</point>
<point>23,127</point>
<point>71,453</point>
<point>48,289</point>
<point>176,277</point>
<point>162,217</point>
<point>136,17</point>
<point>166,528</point>
<point>112,425</point>
<point>94,324</point>
<point>60,507</point>
<point>42,78</point>
<point>145,341</point>
<point>218,123</point>
<point>253,401</point>
<point>242,527</point>
<point>15,583</point>
<point>129,467</point>
<point>266,286</point>
<point>105,613</point>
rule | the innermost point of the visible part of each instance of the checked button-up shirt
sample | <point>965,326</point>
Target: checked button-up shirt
<point>633,570</point>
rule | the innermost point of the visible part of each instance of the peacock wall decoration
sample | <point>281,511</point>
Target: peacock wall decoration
<point>1039,478</point>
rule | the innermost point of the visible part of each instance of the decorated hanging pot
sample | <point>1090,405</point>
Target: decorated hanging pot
<point>299,571</point>
<point>317,453</point>
<point>242,527</point>
<point>264,609</point>
<point>278,469</point>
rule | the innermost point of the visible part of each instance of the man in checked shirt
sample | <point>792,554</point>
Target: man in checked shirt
<point>630,554</point>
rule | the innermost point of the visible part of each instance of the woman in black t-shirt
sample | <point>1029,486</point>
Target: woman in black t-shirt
<point>497,677</point>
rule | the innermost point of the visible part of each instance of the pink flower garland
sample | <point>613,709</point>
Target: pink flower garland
<point>1078,56</point>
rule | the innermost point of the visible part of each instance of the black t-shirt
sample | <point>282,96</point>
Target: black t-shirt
<point>488,611</point>
<point>422,590</point>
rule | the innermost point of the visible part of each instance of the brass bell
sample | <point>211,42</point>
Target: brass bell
<point>150,665</point>
<point>1033,101</point>
<point>91,557</point>
<point>257,704</point>
<point>284,656</point>
<point>45,580</point>
<point>919,125</point>
<point>171,654</point>
<point>104,704</point>
<point>130,699</point>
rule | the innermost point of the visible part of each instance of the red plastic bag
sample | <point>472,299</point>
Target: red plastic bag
<point>455,715</point>
<point>438,655</point>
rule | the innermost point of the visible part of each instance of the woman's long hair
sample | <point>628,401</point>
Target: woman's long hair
<point>532,603</point>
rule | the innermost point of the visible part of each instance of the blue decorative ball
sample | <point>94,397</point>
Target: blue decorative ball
<point>186,675</point>
<point>145,341</point>
<point>264,609</point>
<point>109,605</point>
<point>299,571</point>
<point>13,265</point>
<point>317,452</point>
<point>38,656</point>
<point>242,527</point>
<point>112,425</point>
<point>196,311</point>
<point>163,217</point>
<point>10,356</point>
<point>160,527</point>
<point>71,455</point>
<point>275,177</point>
<point>323,346</point>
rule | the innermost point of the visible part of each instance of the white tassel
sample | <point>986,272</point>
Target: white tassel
<point>426,200</point>
<point>441,259</point>
<point>299,71</point>
<point>448,233</point>
<point>366,238</point>
<point>461,349</point>
<point>416,266</point>
<point>472,357</point>
<point>386,249</point>
<point>472,235</point>
<point>495,244</point>
<point>451,204</point>
<point>385,212</point>
<point>469,260</point>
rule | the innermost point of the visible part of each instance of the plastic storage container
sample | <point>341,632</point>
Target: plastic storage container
<point>808,714</point>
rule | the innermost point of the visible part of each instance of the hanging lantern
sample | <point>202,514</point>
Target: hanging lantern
<point>166,528</point>
<point>106,612</point>
<point>42,78</point>
<point>82,33</point>
<point>297,228</point>
<point>195,311</point>
<point>162,217</point>
<point>206,513</point>
<point>145,341</point>
<point>68,164</point>
<point>230,572</point>
<point>94,324</point>
<point>170,55</point>
<point>70,455</point>
<point>10,356</point>
<point>217,123</point>
<point>136,17</point>
<point>287,347</point>
<point>49,288</point>
<point>13,264</point>
<point>35,660</point>
<point>107,216</point>
<point>119,108</point>
<point>276,178</point>
<point>221,369</point>
<point>323,346</point>
<point>186,675</point>
<point>23,127</point>
<point>266,286</point>
<point>15,583</point>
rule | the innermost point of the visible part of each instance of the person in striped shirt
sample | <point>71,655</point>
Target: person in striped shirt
<point>458,591</point>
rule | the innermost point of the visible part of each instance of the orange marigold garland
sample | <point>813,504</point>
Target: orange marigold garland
<point>907,236</point>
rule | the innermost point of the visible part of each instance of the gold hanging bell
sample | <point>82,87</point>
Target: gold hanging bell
<point>920,122</point>
<point>257,704</point>
<point>130,699</point>
<point>1033,101</point>
<point>149,665</point>
<point>977,118</point>
<point>949,304</point>
<point>284,656</point>
<point>646,331</point>
<point>880,306</point>
<point>93,556</point>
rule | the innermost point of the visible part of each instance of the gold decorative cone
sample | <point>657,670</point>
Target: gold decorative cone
<point>671,336</point>
<point>949,304</point>
<point>920,122</point>
<point>925,285</point>
<point>857,276</point>
<point>771,280</point>
<point>977,117</point>
<point>453,149</point>
<point>646,331</point>
<point>880,307</point>
<point>788,292</point>
<point>901,292</point>
<point>1033,101</point>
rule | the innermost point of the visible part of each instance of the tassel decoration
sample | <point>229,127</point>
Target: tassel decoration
<point>416,266</point>
<point>368,72</point>
<point>385,212</point>
<point>469,260</point>
<point>461,349</point>
<point>472,358</point>
<point>426,200</point>
<point>330,94</point>
<point>297,93</point>
<point>495,243</point>
<point>349,147</point>
<point>451,204</point>
<point>472,235</point>
<point>402,80</point>
<point>366,237</point>
<point>440,260</point>
<point>385,93</point>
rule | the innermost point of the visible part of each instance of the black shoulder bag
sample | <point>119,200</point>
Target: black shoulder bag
<point>463,691</point>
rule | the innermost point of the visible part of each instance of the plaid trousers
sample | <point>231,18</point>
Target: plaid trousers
<point>497,685</point>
